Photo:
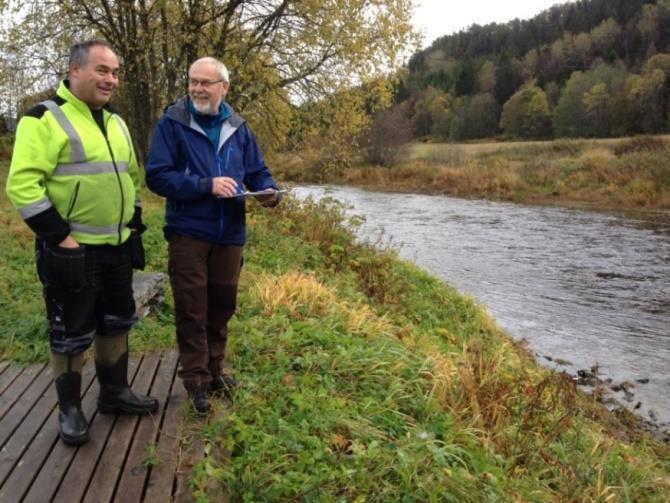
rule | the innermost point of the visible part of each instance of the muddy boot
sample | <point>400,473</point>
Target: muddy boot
<point>115,393</point>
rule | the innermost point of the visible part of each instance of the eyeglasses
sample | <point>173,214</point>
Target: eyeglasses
<point>203,83</point>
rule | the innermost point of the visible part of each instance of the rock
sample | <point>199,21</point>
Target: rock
<point>637,405</point>
<point>585,374</point>
<point>549,358</point>
<point>560,361</point>
<point>644,380</point>
<point>623,386</point>
<point>148,290</point>
<point>653,415</point>
<point>586,378</point>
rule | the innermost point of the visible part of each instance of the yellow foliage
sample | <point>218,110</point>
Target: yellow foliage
<point>302,295</point>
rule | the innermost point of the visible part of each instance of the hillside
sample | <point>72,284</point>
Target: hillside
<point>591,68</point>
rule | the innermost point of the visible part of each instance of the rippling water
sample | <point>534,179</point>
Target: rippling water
<point>586,287</point>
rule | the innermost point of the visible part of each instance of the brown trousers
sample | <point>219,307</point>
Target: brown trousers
<point>204,278</point>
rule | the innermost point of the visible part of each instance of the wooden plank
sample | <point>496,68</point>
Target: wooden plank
<point>14,391</point>
<point>103,483</point>
<point>134,476</point>
<point>8,375</point>
<point>4,366</point>
<point>80,471</point>
<point>191,454</point>
<point>162,475</point>
<point>40,436</point>
<point>21,407</point>
<point>14,445</point>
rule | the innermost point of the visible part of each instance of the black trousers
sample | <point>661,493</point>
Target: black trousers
<point>88,291</point>
<point>204,279</point>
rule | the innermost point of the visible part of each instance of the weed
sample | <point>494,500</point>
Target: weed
<point>151,455</point>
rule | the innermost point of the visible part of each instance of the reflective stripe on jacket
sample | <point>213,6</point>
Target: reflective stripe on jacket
<point>63,160</point>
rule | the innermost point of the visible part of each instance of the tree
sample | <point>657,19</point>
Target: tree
<point>593,103</point>
<point>479,116</point>
<point>648,101</point>
<point>486,78</point>
<point>279,51</point>
<point>386,140</point>
<point>507,79</point>
<point>526,114</point>
<point>604,37</point>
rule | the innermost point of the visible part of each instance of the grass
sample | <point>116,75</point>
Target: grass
<point>610,173</point>
<point>366,379</point>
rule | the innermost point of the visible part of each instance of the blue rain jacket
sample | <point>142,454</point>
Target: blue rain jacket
<point>182,162</point>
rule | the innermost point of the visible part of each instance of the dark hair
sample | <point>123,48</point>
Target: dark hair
<point>79,52</point>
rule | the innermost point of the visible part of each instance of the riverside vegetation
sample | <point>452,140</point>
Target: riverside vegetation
<point>628,173</point>
<point>366,379</point>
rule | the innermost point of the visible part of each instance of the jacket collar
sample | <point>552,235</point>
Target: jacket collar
<point>83,107</point>
<point>179,112</point>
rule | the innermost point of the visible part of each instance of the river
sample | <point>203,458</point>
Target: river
<point>581,287</point>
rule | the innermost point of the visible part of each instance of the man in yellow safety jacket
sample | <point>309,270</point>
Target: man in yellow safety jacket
<point>74,178</point>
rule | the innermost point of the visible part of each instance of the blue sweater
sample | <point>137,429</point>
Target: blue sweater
<point>182,162</point>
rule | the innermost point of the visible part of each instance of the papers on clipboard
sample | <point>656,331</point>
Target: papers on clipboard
<point>255,193</point>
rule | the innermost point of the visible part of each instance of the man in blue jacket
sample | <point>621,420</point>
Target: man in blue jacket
<point>202,156</point>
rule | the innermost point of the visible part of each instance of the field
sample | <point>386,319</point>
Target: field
<point>366,379</point>
<point>631,173</point>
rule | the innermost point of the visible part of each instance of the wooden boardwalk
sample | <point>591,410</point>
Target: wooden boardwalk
<point>127,458</point>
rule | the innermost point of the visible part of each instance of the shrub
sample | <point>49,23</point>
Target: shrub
<point>387,138</point>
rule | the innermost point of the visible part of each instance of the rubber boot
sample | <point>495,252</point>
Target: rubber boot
<point>115,393</point>
<point>73,427</point>
<point>72,424</point>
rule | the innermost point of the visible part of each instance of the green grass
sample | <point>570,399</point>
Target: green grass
<point>366,379</point>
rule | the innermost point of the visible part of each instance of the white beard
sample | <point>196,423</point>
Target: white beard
<point>206,109</point>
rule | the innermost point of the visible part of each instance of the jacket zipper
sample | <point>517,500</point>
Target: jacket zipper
<point>225,169</point>
<point>73,201</point>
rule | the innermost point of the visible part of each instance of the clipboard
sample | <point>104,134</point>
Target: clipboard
<point>255,193</point>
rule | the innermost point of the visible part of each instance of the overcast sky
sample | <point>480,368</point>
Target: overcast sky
<point>435,18</point>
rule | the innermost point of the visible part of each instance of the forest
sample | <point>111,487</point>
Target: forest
<point>591,68</point>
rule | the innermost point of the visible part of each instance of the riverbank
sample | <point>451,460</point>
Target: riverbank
<point>609,174</point>
<point>366,378</point>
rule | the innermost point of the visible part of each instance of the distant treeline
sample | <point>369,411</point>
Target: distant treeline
<point>591,68</point>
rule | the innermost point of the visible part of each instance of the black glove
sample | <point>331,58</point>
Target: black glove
<point>136,226</point>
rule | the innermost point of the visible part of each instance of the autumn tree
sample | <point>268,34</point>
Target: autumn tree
<point>593,103</point>
<point>280,52</point>
<point>526,114</point>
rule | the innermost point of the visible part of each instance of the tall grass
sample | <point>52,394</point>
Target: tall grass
<point>609,173</point>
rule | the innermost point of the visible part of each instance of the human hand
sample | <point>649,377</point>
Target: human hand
<point>69,242</point>
<point>223,186</point>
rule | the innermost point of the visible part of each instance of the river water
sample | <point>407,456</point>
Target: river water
<point>585,287</point>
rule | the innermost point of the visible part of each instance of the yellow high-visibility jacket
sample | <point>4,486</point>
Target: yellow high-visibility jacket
<point>62,160</point>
